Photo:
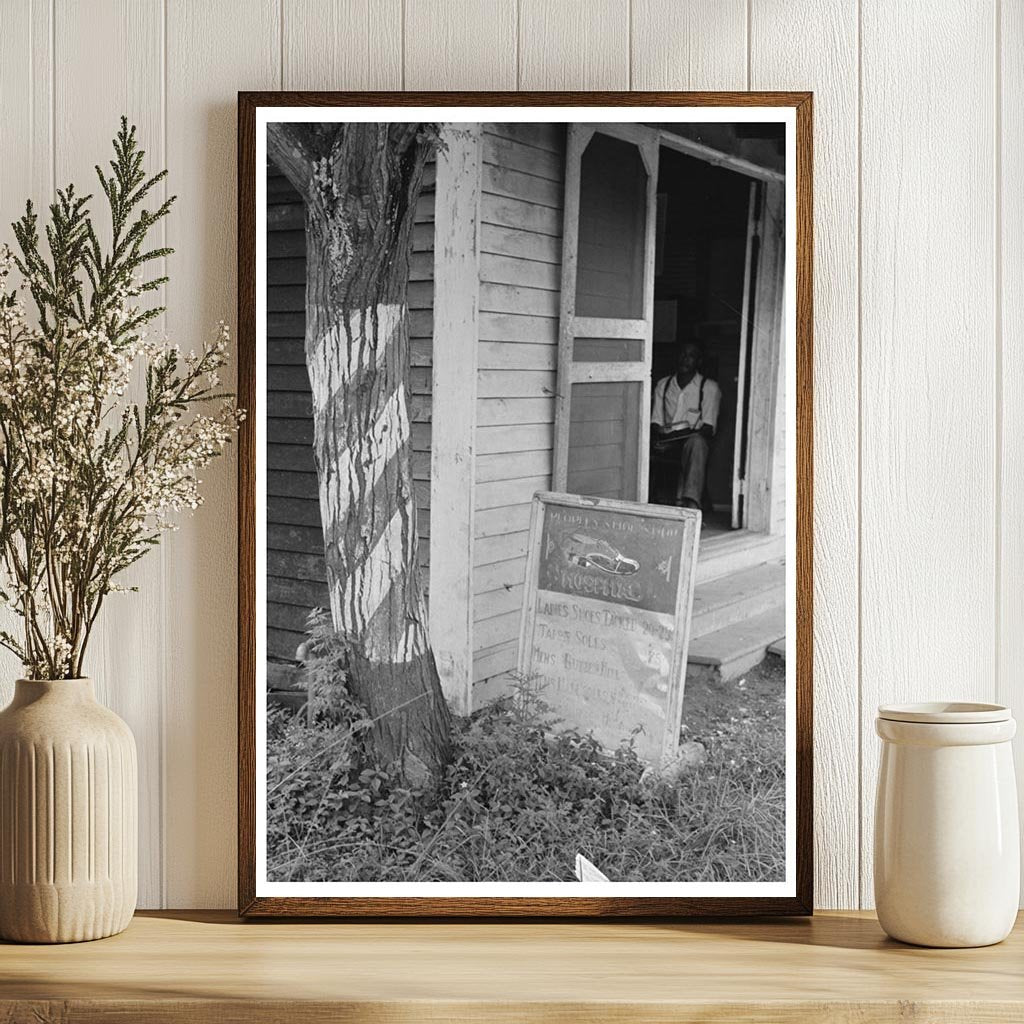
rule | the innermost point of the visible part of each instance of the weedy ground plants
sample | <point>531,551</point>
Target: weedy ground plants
<point>521,796</point>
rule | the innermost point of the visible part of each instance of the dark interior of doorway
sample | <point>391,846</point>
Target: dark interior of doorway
<point>700,261</point>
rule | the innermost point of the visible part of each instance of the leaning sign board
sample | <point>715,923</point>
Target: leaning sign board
<point>606,616</point>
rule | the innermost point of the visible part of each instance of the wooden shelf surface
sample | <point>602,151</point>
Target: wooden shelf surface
<point>209,966</point>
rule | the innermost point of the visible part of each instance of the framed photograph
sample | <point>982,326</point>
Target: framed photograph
<point>525,504</point>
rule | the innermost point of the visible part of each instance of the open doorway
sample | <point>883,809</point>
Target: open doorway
<point>668,242</point>
<point>704,269</point>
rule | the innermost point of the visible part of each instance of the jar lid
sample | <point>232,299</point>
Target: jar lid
<point>945,713</point>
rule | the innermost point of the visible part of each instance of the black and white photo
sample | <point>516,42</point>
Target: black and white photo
<point>525,505</point>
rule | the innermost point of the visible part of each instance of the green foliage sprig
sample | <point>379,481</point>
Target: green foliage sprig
<point>90,477</point>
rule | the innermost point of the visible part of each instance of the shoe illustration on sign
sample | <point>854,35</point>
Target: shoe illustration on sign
<point>595,553</point>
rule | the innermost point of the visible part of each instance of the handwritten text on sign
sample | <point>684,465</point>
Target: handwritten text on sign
<point>605,627</point>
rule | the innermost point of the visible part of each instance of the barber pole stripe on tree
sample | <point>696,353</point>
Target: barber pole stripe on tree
<point>360,182</point>
<point>361,431</point>
<point>348,477</point>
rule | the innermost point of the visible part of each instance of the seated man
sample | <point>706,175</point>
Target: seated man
<point>684,416</point>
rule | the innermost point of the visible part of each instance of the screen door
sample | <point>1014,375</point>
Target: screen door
<point>602,411</point>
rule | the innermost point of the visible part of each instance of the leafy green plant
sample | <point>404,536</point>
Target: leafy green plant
<point>89,478</point>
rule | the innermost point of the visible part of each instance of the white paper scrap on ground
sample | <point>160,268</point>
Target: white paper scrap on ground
<point>587,872</point>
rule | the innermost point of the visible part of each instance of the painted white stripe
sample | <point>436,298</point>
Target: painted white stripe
<point>347,350</point>
<point>340,489</point>
<point>355,605</point>
<point>352,346</point>
<point>389,433</point>
<point>336,362</point>
<point>412,644</point>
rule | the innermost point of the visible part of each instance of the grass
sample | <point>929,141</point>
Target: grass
<point>521,798</point>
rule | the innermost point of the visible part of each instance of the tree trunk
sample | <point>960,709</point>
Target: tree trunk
<point>360,182</point>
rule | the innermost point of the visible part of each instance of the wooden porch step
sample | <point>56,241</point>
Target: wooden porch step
<point>729,552</point>
<point>730,599</point>
<point>739,647</point>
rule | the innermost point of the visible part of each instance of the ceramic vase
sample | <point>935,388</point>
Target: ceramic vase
<point>947,848</point>
<point>68,815</point>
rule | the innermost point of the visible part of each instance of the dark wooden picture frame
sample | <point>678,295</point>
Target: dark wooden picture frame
<point>250,904</point>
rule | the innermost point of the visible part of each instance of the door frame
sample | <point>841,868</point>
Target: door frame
<point>766,416</point>
<point>766,292</point>
<point>738,515</point>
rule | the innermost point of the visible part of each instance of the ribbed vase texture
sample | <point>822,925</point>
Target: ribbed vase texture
<point>68,815</point>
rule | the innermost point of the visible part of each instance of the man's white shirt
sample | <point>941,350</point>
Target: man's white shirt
<point>676,408</point>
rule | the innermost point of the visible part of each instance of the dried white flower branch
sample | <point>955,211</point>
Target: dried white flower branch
<point>89,478</point>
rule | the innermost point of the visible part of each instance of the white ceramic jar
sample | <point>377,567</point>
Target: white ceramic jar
<point>947,847</point>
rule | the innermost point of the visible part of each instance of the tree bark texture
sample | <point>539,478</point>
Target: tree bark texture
<point>360,183</point>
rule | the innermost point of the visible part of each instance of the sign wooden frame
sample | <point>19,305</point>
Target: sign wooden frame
<point>683,602</point>
<point>253,904</point>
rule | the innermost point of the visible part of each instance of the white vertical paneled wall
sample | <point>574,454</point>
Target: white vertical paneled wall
<point>1008,215</point>
<point>127,665</point>
<point>928,344</point>
<point>919,326</point>
<point>831,72</point>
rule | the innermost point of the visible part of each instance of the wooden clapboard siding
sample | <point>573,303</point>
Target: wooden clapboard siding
<point>510,438</point>
<point>523,244</point>
<point>502,546</point>
<point>494,412</point>
<point>503,493</point>
<point>519,328</point>
<point>516,383</point>
<point>295,538</point>
<point>499,575</point>
<point>495,602</point>
<point>491,632</point>
<point>493,661</point>
<point>503,465</point>
<point>282,643</point>
<point>421,346</point>
<point>296,578</point>
<point>520,252</point>
<point>497,521</point>
<point>497,355</point>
